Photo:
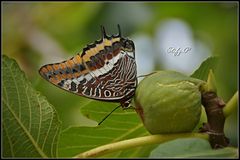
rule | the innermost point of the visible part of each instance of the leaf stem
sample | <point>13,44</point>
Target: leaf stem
<point>231,105</point>
<point>135,142</point>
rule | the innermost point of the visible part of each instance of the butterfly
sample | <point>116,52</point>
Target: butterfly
<point>105,70</point>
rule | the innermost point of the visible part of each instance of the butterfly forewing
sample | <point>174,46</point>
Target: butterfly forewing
<point>106,70</point>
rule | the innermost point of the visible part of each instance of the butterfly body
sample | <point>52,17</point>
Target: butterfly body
<point>106,70</point>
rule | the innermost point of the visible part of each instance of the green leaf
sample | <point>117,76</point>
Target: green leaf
<point>190,147</point>
<point>203,70</point>
<point>30,124</point>
<point>120,125</point>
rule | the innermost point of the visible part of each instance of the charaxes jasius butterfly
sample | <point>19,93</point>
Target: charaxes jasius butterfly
<point>105,70</point>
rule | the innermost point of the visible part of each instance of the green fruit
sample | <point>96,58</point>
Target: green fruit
<point>169,102</point>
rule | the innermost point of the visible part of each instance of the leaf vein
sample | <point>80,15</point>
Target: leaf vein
<point>10,142</point>
<point>40,119</point>
<point>18,95</point>
<point>98,137</point>
<point>49,127</point>
<point>25,131</point>
<point>128,132</point>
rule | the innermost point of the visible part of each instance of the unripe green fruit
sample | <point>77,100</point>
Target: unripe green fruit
<point>168,102</point>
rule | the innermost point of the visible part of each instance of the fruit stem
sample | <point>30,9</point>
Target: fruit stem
<point>136,142</point>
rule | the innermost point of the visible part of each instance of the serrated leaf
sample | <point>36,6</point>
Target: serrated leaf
<point>120,125</point>
<point>203,70</point>
<point>30,124</point>
<point>190,147</point>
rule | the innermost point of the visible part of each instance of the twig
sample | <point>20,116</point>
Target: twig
<point>215,127</point>
<point>135,142</point>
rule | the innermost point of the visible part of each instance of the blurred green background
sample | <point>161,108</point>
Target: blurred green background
<point>38,33</point>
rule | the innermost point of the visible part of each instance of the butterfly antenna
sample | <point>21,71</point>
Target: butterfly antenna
<point>104,35</point>
<point>109,114</point>
<point>119,31</point>
<point>146,75</point>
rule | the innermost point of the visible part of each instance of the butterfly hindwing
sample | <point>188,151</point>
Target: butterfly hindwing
<point>106,70</point>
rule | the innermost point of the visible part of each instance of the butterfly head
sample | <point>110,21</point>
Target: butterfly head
<point>128,47</point>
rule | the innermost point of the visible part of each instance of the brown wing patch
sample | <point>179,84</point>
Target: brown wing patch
<point>89,52</point>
